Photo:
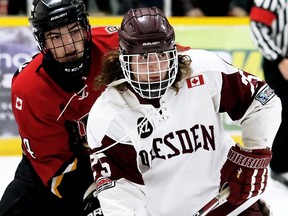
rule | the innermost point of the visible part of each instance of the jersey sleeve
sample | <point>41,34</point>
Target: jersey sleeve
<point>114,165</point>
<point>247,99</point>
<point>251,103</point>
<point>116,175</point>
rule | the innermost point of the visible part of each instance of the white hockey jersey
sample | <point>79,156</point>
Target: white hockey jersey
<point>166,160</point>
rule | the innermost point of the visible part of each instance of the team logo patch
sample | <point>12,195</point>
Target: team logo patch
<point>103,184</point>
<point>144,127</point>
<point>265,95</point>
<point>195,81</point>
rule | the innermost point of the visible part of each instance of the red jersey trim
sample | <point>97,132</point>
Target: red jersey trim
<point>261,15</point>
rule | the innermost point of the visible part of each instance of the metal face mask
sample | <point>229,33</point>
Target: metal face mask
<point>151,74</point>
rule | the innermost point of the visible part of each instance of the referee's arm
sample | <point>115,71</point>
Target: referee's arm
<point>268,24</point>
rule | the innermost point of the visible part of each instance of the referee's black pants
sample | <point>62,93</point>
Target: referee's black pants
<point>274,78</point>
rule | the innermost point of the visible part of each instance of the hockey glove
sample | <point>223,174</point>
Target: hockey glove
<point>91,203</point>
<point>245,171</point>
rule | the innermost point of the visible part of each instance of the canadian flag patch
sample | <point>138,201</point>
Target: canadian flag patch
<point>18,104</point>
<point>195,81</point>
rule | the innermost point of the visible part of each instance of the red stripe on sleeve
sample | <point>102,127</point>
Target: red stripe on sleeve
<point>261,15</point>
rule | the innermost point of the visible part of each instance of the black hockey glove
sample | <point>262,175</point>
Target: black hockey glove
<point>91,203</point>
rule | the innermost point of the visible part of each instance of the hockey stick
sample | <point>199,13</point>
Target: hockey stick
<point>213,203</point>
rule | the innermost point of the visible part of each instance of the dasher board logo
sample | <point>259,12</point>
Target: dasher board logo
<point>144,127</point>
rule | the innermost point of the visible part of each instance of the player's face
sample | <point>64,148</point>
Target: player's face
<point>66,43</point>
<point>150,68</point>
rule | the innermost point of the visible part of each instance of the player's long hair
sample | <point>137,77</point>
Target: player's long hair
<point>111,70</point>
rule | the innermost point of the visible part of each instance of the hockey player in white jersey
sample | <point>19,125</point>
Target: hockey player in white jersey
<point>158,144</point>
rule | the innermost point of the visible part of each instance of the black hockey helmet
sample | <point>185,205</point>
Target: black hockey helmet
<point>145,30</point>
<point>51,14</point>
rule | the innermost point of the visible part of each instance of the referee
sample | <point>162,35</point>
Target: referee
<point>269,30</point>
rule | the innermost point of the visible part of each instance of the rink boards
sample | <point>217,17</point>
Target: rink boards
<point>229,37</point>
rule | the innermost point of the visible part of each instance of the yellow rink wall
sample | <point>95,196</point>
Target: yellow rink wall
<point>189,30</point>
<point>104,21</point>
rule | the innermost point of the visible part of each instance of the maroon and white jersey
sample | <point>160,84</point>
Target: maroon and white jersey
<point>166,161</point>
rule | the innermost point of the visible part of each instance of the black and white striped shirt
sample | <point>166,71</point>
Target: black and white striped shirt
<point>269,28</point>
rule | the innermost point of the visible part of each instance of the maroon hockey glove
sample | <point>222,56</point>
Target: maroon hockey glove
<point>245,171</point>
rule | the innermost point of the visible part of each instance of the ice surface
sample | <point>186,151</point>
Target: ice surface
<point>276,194</point>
